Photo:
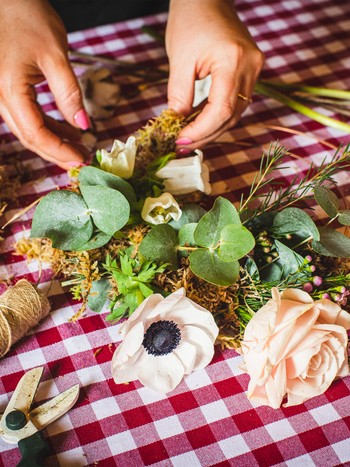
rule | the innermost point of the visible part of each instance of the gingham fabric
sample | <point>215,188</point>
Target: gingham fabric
<point>208,419</point>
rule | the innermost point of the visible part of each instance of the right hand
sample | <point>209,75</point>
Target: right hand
<point>33,46</point>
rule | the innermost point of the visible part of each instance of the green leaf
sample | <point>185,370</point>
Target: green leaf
<point>109,208</point>
<point>98,294</point>
<point>332,243</point>
<point>209,228</point>
<point>160,244</point>
<point>208,266</point>
<point>93,176</point>
<point>191,213</point>
<point>344,217</point>
<point>186,237</point>
<point>327,200</point>
<point>98,240</point>
<point>235,242</point>
<point>288,260</point>
<point>62,216</point>
<point>294,220</point>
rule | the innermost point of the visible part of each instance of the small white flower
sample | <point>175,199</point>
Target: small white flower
<point>201,90</point>
<point>121,160</point>
<point>161,210</point>
<point>100,93</point>
<point>164,339</point>
<point>186,175</point>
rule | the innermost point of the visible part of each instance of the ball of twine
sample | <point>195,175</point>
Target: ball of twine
<point>21,308</point>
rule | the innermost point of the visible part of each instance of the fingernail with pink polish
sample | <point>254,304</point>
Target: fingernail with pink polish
<point>183,141</point>
<point>75,164</point>
<point>183,151</point>
<point>82,119</point>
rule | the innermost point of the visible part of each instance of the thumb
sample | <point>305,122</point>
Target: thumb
<point>67,93</point>
<point>181,89</point>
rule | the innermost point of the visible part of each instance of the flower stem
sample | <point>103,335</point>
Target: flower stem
<point>267,90</point>
<point>316,91</point>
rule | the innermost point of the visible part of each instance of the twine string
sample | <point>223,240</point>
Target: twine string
<point>21,308</point>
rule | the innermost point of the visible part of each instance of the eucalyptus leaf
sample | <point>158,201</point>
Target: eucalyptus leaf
<point>160,244</point>
<point>252,269</point>
<point>207,265</point>
<point>332,243</point>
<point>208,230</point>
<point>327,200</point>
<point>62,216</point>
<point>235,242</point>
<point>295,221</point>
<point>288,260</point>
<point>109,208</point>
<point>191,213</point>
<point>97,240</point>
<point>93,176</point>
<point>98,294</point>
<point>186,237</point>
<point>344,217</point>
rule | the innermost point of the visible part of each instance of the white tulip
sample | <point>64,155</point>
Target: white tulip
<point>161,210</point>
<point>121,160</point>
<point>186,175</point>
<point>164,339</point>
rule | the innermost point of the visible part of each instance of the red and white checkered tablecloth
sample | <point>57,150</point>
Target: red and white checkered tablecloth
<point>208,419</point>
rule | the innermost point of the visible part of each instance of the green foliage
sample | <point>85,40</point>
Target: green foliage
<point>98,294</point>
<point>327,200</point>
<point>214,244</point>
<point>93,176</point>
<point>208,266</point>
<point>134,282</point>
<point>108,208</point>
<point>295,221</point>
<point>160,244</point>
<point>63,217</point>
<point>191,213</point>
<point>332,243</point>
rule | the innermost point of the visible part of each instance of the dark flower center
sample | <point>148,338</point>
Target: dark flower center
<point>161,338</point>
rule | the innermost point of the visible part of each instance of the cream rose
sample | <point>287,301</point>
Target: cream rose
<point>294,347</point>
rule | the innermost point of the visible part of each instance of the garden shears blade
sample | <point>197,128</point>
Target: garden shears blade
<point>22,426</point>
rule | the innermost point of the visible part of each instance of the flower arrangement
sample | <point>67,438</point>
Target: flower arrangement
<point>135,230</point>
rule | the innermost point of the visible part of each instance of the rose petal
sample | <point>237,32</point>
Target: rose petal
<point>332,313</point>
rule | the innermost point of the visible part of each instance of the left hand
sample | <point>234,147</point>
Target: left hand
<point>206,37</point>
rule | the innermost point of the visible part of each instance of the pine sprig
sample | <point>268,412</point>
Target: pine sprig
<point>298,190</point>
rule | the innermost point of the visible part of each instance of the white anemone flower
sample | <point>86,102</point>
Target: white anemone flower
<point>164,339</point>
<point>186,175</point>
<point>100,93</point>
<point>161,210</point>
<point>121,160</point>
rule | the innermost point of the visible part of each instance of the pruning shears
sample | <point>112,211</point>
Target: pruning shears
<point>20,425</point>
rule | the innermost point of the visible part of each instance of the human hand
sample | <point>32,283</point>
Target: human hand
<point>33,46</point>
<point>206,37</point>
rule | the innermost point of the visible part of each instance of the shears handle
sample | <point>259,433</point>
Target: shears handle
<point>33,449</point>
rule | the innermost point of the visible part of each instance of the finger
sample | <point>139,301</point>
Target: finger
<point>66,90</point>
<point>62,129</point>
<point>27,123</point>
<point>181,89</point>
<point>239,109</point>
<point>219,109</point>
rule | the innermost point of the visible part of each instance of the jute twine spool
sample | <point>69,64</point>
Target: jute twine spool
<point>21,308</point>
